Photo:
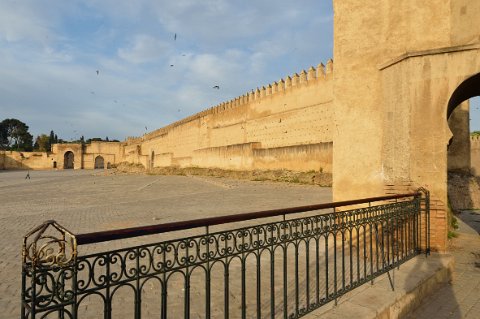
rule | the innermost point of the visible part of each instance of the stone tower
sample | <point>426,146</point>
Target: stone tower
<point>401,68</point>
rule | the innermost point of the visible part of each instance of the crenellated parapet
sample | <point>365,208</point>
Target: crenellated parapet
<point>475,142</point>
<point>313,76</point>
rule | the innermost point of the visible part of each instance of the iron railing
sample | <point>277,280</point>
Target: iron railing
<point>294,262</point>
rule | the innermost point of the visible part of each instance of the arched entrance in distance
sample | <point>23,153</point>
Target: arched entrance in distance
<point>99,162</point>
<point>68,160</point>
<point>459,152</point>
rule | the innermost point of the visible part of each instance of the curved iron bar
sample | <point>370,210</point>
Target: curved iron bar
<point>97,237</point>
<point>320,258</point>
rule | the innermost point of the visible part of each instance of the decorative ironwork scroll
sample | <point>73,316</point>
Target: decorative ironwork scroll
<point>49,245</point>
<point>284,268</point>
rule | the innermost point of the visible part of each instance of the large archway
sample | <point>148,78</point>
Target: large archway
<point>68,160</point>
<point>99,162</point>
<point>461,183</point>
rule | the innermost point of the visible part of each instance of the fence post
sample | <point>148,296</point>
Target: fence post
<point>49,272</point>
<point>425,209</point>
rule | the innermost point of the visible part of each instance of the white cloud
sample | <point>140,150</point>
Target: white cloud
<point>19,21</point>
<point>49,58</point>
<point>144,48</point>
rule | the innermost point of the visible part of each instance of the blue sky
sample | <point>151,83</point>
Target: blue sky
<point>50,51</point>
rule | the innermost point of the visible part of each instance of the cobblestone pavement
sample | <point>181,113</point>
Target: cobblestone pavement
<point>86,201</point>
<point>461,297</point>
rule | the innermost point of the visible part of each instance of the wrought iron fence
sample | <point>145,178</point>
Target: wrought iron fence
<point>297,261</point>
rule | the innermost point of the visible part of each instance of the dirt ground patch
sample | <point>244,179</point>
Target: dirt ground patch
<point>309,178</point>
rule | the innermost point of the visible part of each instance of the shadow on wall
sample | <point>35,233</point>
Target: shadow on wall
<point>463,191</point>
<point>26,160</point>
<point>7,162</point>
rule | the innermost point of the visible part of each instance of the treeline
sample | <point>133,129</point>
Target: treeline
<point>14,136</point>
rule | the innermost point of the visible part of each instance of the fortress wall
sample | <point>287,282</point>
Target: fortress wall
<point>60,149</point>
<point>295,111</point>
<point>458,153</point>
<point>316,157</point>
<point>163,160</point>
<point>112,152</point>
<point>104,147</point>
<point>284,125</point>
<point>25,160</point>
<point>235,157</point>
<point>475,155</point>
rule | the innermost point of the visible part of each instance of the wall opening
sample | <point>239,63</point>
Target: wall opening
<point>460,155</point>
<point>152,160</point>
<point>55,164</point>
<point>68,160</point>
<point>99,162</point>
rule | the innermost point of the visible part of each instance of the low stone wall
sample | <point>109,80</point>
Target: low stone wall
<point>25,160</point>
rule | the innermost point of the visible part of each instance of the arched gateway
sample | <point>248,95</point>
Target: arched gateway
<point>392,97</point>
<point>99,162</point>
<point>68,160</point>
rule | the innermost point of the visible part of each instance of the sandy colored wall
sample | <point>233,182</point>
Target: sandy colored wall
<point>394,76</point>
<point>459,147</point>
<point>25,160</point>
<point>475,155</point>
<point>111,152</point>
<point>60,149</point>
<point>286,117</point>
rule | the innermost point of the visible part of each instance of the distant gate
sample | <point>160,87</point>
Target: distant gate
<point>99,162</point>
<point>68,160</point>
<point>284,267</point>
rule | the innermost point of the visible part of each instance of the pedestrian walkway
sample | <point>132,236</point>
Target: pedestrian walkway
<point>461,297</point>
<point>441,286</point>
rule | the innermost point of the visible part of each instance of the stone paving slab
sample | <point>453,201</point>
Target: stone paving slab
<point>437,287</point>
<point>461,297</point>
<point>87,201</point>
<point>413,281</point>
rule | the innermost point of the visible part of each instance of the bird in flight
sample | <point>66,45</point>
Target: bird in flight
<point>216,87</point>
<point>175,37</point>
<point>171,65</point>
<point>98,72</point>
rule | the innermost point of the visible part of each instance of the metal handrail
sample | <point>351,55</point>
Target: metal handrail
<point>102,236</point>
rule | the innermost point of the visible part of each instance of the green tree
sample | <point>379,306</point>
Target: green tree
<point>51,139</point>
<point>42,143</point>
<point>14,136</point>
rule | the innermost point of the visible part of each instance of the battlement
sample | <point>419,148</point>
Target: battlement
<point>321,74</point>
<point>475,142</point>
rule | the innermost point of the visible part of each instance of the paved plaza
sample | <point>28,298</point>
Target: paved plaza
<point>86,201</point>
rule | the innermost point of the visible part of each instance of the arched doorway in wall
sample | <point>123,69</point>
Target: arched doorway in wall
<point>152,160</point>
<point>463,116</point>
<point>68,160</point>
<point>99,162</point>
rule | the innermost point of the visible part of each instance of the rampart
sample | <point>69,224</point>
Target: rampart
<point>475,155</point>
<point>25,160</point>
<point>287,124</point>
